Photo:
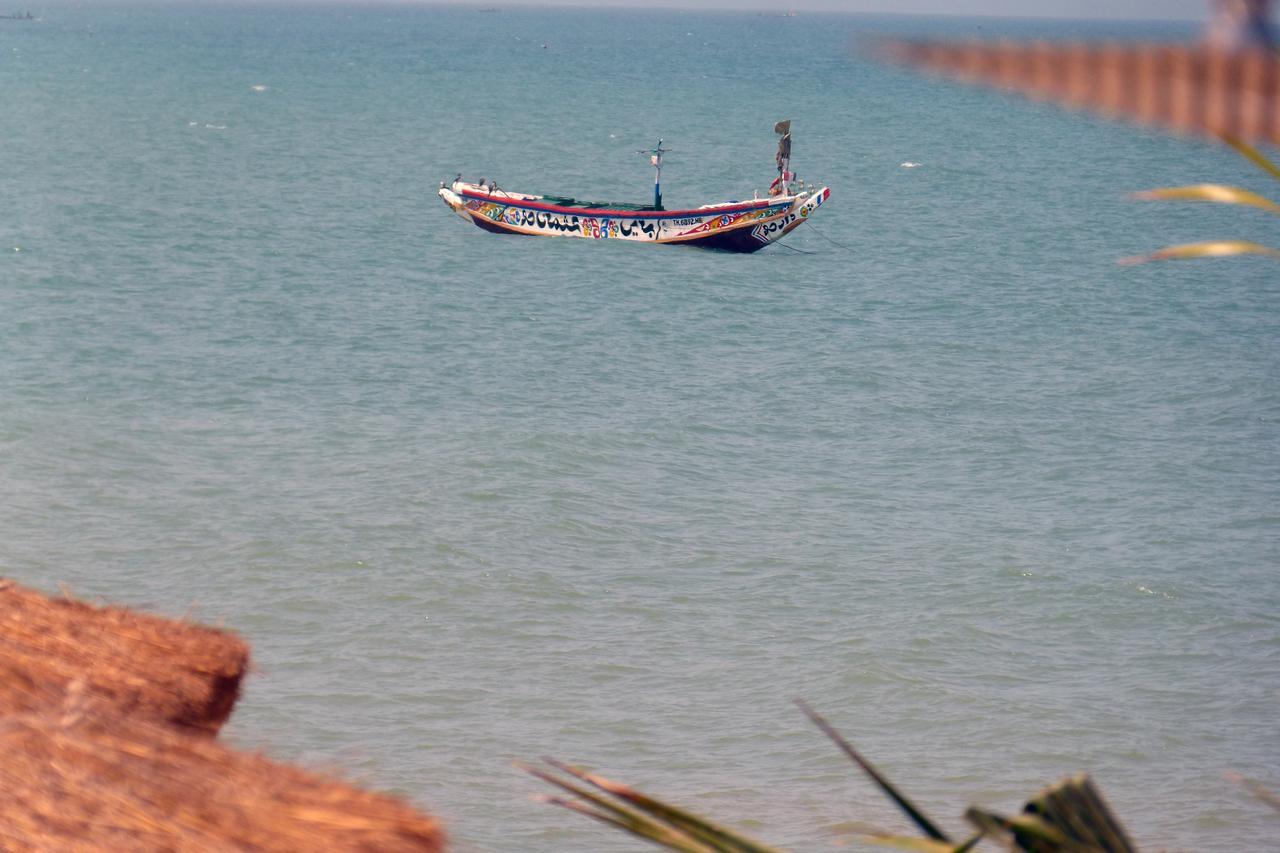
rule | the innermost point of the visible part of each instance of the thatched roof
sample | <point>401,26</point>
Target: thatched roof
<point>1184,88</point>
<point>144,666</point>
<point>105,717</point>
<point>77,781</point>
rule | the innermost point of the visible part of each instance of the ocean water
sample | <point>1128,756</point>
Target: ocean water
<point>1000,508</point>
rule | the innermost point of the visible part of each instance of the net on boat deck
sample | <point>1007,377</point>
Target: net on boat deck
<point>566,201</point>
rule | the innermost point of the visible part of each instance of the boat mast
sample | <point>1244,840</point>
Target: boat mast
<point>784,156</point>
<point>655,157</point>
<point>655,160</point>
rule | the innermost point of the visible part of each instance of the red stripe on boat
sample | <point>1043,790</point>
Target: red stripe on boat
<point>508,201</point>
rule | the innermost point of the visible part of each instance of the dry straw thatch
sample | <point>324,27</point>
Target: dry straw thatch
<point>143,666</point>
<point>106,718</point>
<point>79,781</point>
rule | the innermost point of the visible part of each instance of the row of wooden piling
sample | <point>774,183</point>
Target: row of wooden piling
<point>1184,88</point>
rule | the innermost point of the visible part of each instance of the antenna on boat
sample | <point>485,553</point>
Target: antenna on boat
<point>655,159</point>
<point>781,184</point>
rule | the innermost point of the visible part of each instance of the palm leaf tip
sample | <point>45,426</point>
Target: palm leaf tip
<point>644,816</point>
<point>606,785</point>
<point>917,817</point>
<point>1253,155</point>
<point>717,836</point>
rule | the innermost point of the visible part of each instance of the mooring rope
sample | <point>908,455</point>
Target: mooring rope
<point>794,249</point>
<point>828,239</point>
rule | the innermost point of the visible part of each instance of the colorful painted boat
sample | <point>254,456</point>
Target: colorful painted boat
<point>734,226</point>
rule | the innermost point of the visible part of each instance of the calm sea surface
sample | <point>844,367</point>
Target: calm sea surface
<point>1001,508</point>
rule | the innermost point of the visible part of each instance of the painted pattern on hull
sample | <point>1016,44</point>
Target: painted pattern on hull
<point>541,222</point>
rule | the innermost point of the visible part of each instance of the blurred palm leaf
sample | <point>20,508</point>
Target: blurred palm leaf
<point>1209,249</point>
<point>1069,817</point>
<point>1222,195</point>
<point>1253,155</point>
<point>1210,192</point>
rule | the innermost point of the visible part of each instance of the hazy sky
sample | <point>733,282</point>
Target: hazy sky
<point>1136,9</point>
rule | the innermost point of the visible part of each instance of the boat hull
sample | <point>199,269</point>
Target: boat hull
<point>731,227</point>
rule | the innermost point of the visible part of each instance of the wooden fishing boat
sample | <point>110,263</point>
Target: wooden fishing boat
<point>734,226</point>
